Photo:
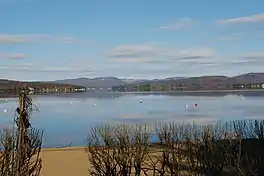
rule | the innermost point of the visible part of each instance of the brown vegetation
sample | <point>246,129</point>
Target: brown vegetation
<point>230,148</point>
<point>21,146</point>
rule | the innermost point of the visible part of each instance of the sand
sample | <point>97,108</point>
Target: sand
<point>72,161</point>
<point>65,162</point>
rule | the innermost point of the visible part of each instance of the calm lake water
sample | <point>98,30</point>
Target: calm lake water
<point>67,118</point>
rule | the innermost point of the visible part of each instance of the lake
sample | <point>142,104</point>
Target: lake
<point>67,118</point>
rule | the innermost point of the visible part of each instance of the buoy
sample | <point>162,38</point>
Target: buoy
<point>140,101</point>
<point>6,100</point>
<point>196,105</point>
<point>5,110</point>
<point>242,97</point>
<point>186,106</point>
<point>94,104</point>
<point>70,102</point>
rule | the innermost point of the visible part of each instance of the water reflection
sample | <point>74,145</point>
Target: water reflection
<point>66,118</point>
<point>114,95</point>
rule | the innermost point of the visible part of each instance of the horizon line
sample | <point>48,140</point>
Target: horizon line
<point>96,77</point>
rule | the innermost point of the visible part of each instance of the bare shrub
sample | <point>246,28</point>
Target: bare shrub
<point>118,150</point>
<point>7,152</point>
<point>194,149</point>
<point>101,151</point>
<point>224,148</point>
<point>21,146</point>
<point>251,144</point>
<point>193,140</point>
<point>257,129</point>
<point>214,149</point>
<point>141,148</point>
<point>171,156</point>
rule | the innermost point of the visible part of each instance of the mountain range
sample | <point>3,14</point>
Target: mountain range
<point>109,82</point>
<point>106,82</point>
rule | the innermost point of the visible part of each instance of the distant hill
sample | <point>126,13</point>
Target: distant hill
<point>105,82</point>
<point>99,82</point>
<point>134,81</point>
<point>12,86</point>
<point>166,84</point>
<point>248,78</point>
<point>175,78</point>
<point>197,83</point>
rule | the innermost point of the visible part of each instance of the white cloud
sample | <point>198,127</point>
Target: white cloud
<point>251,59</point>
<point>131,60</point>
<point>195,53</point>
<point>28,67</point>
<point>180,24</point>
<point>231,36</point>
<point>153,53</point>
<point>135,51</point>
<point>254,56</point>
<point>21,38</point>
<point>258,18</point>
<point>170,60</point>
<point>160,60</point>
<point>38,38</point>
<point>12,55</point>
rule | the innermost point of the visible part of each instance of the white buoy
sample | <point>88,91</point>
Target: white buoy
<point>5,110</point>
<point>70,102</point>
<point>94,104</point>
<point>6,100</point>
<point>186,106</point>
<point>242,97</point>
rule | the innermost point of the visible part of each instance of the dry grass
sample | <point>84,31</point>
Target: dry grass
<point>70,161</point>
<point>65,162</point>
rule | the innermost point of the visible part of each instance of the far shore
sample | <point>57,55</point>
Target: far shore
<point>198,91</point>
<point>184,92</point>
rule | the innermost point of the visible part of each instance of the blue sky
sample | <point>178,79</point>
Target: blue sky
<point>58,39</point>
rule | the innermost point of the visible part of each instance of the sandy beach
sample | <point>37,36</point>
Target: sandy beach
<point>64,162</point>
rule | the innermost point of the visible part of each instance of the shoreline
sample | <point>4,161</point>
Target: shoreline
<point>10,95</point>
<point>196,91</point>
<point>63,149</point>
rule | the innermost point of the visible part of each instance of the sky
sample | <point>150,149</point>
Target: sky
<point>57,39</point>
